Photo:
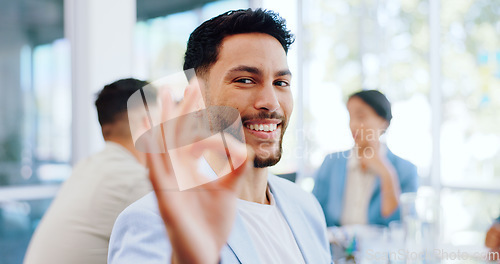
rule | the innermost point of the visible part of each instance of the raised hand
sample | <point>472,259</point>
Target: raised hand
<point>198,220</point>
<point>371,157</point>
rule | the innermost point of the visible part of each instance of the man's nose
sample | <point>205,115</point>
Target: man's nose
<point>267,99</point>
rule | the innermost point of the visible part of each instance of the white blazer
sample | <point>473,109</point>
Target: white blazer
<point>139,235</point>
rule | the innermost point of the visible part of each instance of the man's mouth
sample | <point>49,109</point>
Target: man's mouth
<point>262,127</point>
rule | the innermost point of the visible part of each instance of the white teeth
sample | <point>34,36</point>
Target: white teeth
<point>263,127</point>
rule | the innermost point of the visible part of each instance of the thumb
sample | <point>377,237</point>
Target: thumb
<point>234,180</point>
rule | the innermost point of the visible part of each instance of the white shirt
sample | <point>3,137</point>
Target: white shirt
<point>77,226</point>
<point>269,232</point>
<point>357,193</point>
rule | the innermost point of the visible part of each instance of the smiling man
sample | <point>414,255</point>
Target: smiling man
<point>257,83</point>
<point>248,216</point>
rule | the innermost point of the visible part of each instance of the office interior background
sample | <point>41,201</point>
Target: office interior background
<point>438,61</point>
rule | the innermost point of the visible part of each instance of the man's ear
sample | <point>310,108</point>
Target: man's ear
<point>107,131</point>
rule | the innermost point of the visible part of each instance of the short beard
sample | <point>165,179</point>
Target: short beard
<point>257,162</point>
<point>263,163</point>
<point>271,161</point>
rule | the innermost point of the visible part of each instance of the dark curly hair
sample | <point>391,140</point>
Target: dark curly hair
<point>204,43</point>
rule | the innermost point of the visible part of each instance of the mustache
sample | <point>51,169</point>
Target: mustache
<point>264,115</point>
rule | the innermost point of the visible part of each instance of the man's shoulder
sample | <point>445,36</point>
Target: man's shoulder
<point>138,217</point>
<point>145,205</point>
<point>139,234</point>
<point>304,212</point>
<point>283,184</point>
<point>113,161</point>
<point>291,191</point>
<point>141,212</point>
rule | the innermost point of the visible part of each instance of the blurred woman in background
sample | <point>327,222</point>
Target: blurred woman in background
<point>362,185</point>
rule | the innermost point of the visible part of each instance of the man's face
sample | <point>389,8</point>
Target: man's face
<point>251,74</point>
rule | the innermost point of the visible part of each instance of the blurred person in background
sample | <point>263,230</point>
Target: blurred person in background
<point>362,185</point>
<point>78,224</point>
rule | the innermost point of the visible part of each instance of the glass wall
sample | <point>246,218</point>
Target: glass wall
<point>385,45</point>
<point>160,43</point>
<point>470,131</point>
<point>48,113</point>
<point>35,118</point>
<point>470,136</point>
<point>354,45</point>
<point>35,139</point>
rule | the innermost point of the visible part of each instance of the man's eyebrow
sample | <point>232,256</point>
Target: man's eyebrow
<point>283,73</point>
<point>244,68</point>
<point>255,70</point>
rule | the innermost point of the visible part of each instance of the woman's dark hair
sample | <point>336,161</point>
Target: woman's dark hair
<point>204,43</point>
<point>377,101</point>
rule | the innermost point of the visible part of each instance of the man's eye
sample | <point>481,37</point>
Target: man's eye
<point>281,83</point>
<point>244,80</point>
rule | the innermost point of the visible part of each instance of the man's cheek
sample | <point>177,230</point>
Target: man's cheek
<point>212,136</point>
